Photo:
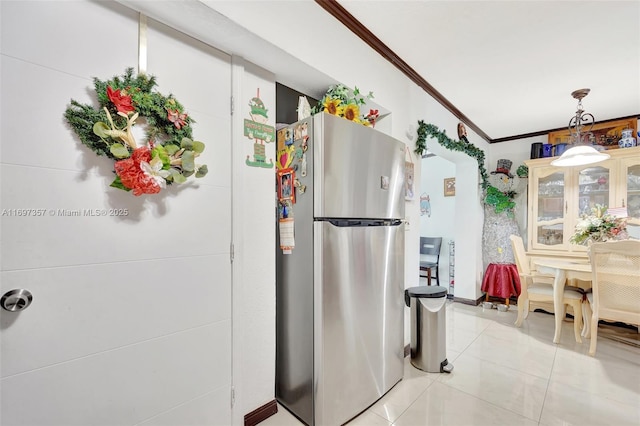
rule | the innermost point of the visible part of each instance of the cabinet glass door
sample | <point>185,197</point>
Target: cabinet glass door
<point>551,210</point>
<point>593,188</point>
<point>632,197</point>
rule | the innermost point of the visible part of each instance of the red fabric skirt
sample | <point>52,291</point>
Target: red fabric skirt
<point>501,280</point>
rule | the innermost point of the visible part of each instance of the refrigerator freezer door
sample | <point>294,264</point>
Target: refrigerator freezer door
<point>359,319</point>
<point>358,171</point>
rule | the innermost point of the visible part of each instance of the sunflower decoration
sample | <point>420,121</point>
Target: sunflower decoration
<point>346,103</point>
<point>331,105</point>
<point>351,112</point>
<point>168,153</point>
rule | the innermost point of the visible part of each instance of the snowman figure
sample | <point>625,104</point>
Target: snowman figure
<point>501,275</point>
<point>498,226</point>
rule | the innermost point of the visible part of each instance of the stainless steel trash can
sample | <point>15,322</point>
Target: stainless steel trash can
<point>428,328</point>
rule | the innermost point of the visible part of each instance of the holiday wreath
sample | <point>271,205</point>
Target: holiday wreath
<point>168,153</point>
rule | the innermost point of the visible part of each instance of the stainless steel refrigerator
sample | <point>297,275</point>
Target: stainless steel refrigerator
<point>339,292</point>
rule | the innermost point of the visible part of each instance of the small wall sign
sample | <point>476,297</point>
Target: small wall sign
<point>449,187</point>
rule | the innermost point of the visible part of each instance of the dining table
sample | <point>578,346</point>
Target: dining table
<point>563,270</point>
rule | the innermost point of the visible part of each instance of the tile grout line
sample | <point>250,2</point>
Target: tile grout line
<point>413,402</point>
<point>116,262</point>
<point>546,391</point>
<point>518,371</point>
<point>141,422</point>
<point>117,348</point>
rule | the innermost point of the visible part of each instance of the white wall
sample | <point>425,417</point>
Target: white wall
<point>131,317</point>
<point>346,59</point>
<point>468,214</point>
<point>440,223</point>
<point>337,54</point>
<point>254,239</point>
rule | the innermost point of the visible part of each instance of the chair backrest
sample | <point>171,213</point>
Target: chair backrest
<point>430,246</point>
<point>615,269</point>
<point>520,254</point>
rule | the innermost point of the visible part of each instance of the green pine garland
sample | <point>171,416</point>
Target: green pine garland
<point>425,130</point>
<point>150,104</point>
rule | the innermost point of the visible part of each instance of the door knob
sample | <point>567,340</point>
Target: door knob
<point>16,300</point>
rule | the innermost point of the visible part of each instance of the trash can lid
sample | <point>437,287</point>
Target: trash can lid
<point>429,291</point>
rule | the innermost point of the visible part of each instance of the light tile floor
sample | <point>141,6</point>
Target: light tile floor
<point>505,375</point>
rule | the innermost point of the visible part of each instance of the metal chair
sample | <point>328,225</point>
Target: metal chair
<point>430,246</point>
<point>615,268</point>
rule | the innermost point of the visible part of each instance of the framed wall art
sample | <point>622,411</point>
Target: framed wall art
<point>449,187</point>
<point>408,180</point>
<point>285,185</point>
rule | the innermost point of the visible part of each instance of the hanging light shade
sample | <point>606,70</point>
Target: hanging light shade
<point>582,152</point>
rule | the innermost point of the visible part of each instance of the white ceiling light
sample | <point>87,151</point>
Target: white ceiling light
<point>582,152</point>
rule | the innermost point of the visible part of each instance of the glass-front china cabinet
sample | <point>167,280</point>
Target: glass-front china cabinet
<point>558,196</point>
<point>630,192</point>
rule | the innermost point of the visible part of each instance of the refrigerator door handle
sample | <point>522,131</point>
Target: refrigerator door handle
<point>363,222</point>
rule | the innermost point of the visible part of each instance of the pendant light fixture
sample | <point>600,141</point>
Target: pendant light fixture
<point>582,152</point>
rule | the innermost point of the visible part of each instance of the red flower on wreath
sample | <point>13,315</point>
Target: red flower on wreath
<point>133,177</point>
<point>122,101</point>
<point>176,118</point>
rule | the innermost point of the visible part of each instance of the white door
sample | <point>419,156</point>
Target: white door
<point>131,315</point>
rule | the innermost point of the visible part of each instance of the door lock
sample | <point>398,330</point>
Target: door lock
<point>16,300</point>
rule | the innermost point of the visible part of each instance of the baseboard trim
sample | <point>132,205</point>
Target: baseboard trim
<point>513,300</point>
<point>473,302</point>
<point>261,414</point>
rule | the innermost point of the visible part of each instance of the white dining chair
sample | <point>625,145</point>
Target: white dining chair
<point>615,268</point>
<point>538,289</point>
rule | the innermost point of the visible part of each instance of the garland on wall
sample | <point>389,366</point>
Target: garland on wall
<point>425,130</point>
<point>168,153</point>
<point>501,200</point>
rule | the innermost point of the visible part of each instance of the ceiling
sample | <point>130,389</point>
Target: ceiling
<point>510,66</point>
<point>506,68</point>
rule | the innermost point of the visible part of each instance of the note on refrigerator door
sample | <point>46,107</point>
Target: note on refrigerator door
<point>287,240</point>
